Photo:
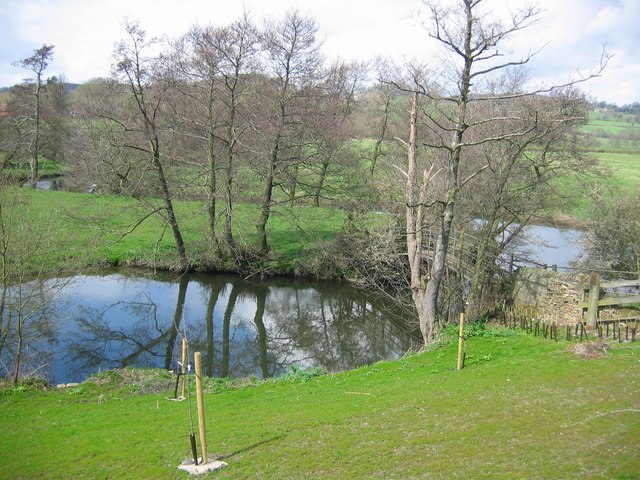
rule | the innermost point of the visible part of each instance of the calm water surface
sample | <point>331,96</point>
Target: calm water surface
<point>242,327</point>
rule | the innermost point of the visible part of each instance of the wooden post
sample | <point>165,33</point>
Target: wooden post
<point>200,402</point>
<point>461,341</point>
<point>184,365</point>
<point>594,297</point>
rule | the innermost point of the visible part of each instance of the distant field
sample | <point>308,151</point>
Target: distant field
<point>625,168</point>
<point>615,132</point>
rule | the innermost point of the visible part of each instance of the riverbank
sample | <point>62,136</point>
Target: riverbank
<point>520,409</point>
<point>87,231</point>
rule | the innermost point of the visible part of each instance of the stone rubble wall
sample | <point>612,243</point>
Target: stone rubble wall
<point>550,296</point>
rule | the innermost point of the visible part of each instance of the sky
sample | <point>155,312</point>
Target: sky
<point>571,34</point>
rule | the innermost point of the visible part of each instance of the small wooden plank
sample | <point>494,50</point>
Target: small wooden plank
<point>611,301</point>
<point>619,319</point>
<point>614,284</point>
<point>620,284</point>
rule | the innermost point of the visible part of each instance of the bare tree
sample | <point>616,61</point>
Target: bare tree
<point>25,292</point>
<point>236,47</point>
<point>522,181</point>
<point>142,130</point>
<point>37,63</point>
<point>473,42</point>
<point>331,105</point>
<point>213,66</point>
<point>293,60</point>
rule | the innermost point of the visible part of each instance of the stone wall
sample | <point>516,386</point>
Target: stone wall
<point>552,296</point>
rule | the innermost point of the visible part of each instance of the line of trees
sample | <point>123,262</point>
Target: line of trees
<point>248,112</point>
<point>218,110</point>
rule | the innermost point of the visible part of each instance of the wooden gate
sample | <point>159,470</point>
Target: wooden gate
<point>601,294</point>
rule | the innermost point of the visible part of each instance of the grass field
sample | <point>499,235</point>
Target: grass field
<point>625,169</point>
<point>89,230</point>
<point>523,407</point>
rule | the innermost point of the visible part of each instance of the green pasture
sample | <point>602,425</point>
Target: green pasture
<point>46,168</point>
<point>624,167</point>
<point>523,407</point>
<point>615,132</point>
<point>94,230</point>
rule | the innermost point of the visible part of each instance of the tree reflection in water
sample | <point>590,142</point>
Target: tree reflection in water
<point>243,328</point>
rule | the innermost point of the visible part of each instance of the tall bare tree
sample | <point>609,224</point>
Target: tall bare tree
<point>331,105</point>
<point>293,60</point>
<point>453,127</point>
<point>214,65</point>
<point>37,63</point>
<point>523,180</point>
<point>236,46</point>
<point>142,130</point>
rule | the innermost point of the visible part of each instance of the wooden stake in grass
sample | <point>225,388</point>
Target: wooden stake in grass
<point>200,401</point>
<point>461,343</point>
<point>594,297</point>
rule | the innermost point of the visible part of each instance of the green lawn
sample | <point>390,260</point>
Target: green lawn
<point>522,408</point>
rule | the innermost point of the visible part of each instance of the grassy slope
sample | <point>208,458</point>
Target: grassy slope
<point>522,408</point>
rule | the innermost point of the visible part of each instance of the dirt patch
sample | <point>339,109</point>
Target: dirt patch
<point>140,380</point>
<point>588,349</point>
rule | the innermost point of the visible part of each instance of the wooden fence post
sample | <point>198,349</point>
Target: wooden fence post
<point>200,402</point>
<point>594,297</point>
<point>461,342</point>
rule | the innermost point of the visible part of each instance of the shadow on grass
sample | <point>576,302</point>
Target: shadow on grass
<point>250,447</point>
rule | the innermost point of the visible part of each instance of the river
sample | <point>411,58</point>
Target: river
<point>242,327</point>
<point>550,246</point>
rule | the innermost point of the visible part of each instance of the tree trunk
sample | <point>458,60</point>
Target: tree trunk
<point>438,265</point>
<point>36,137</point>
<point>294,175</point>
<point>267,193</point>
<point>211,186</point>
<point>16,367</point>
<point>321,180</point>
<point>294,185</point>
<point>383,131</point>
<point>168,206</point>
<point>415,213</point>
<point>228,211</point>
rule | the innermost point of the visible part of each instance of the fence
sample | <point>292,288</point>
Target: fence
<point>574,306</point>
<point>524,319</point>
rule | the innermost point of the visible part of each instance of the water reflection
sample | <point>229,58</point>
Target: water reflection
<point>243,328</point>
